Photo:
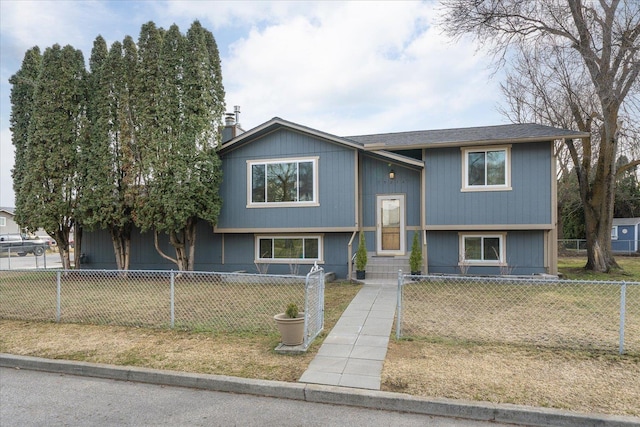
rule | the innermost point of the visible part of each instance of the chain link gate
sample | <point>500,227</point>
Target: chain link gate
<point>313,305</point>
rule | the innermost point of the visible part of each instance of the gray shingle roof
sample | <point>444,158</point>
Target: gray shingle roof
<point>466,136</point>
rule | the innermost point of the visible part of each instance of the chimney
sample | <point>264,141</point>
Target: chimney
<point>231,127</point>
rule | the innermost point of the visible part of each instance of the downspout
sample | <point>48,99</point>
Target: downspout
<point>423,213</point>
<point>358,211</point>
<point>553,233</point>
<point>349,257</point>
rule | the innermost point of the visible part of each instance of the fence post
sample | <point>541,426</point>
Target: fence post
<point>623,303</point>
<point>307,309</point>
<point>399,304</point>
<point>58,294</point>
<point>173,313</point>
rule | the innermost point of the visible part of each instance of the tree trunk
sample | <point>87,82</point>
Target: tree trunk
<point>77,247</point>
<point>121,238</point>
<point>61,235</point>
<point>191,241</point>
<point>598,200</point>
<point>182,257</point>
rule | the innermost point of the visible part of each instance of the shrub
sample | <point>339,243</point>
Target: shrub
<point>415,259</point>
<point>361,254</point>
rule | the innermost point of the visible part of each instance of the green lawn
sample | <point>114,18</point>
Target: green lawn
<point>573,268</point>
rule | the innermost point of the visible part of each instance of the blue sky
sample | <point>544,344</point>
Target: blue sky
<point>346,68</point>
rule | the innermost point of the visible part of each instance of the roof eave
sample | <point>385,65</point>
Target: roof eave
<point>399,158</point>
<point>276,121</point>
<point>381,146</point>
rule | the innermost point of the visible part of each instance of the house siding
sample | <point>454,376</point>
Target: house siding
<point>336,185</point>
<point>98,250</point>
<point>238,249</point>
<point>525,254</point>
<point>528,202</point>
<point>240,254</point>
<point>376,181</point>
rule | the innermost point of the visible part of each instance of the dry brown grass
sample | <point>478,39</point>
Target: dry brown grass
<point>241,356</point>
<point>586,381</point>
<point>248,355</point>
<point>572,380</point>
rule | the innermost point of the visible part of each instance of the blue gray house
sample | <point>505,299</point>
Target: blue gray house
<point>482,200</point>
<point>625,235</point>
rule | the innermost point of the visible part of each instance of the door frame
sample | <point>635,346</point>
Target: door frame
<point>403,233</point>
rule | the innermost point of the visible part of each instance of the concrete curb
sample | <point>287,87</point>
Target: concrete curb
<point>482,411</point>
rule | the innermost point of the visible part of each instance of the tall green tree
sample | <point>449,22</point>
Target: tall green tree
<point>51,186</point>
<point>108,160</point>
<point>585,54</point>
<point>181,169</point>
<point>23,89</point>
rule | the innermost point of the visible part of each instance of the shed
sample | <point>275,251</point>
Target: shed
<point>625,235</point>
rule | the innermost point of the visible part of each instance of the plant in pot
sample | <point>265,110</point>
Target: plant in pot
<point>415,259</point>
<point>361,258</point>
<point>291,325</point>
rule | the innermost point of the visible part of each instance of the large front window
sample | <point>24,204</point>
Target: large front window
<point>486,169</point>
<point>482,249</point>
<point>288,248</point>
<point>290,182</point>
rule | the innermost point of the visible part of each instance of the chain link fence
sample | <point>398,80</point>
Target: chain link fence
<point>542,312</point>
<point>578,247</point>
<point>14,261</point>
<point>219,302</point>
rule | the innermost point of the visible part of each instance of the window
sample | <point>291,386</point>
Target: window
<point>486,168</point>
<point>3,221</point>
<point>288,249</point>
<point>482,249</point>
<point>291,182</point>
<point>614,232</point>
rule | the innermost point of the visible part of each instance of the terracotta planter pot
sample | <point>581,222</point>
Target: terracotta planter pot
<point>291,329</point>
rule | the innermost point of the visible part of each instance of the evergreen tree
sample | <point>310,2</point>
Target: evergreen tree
<point>23,89</point>
<point>51,186</point>
<point>108,166</point>
<point>181,167</point>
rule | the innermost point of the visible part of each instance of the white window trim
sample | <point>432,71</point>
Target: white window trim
<point>498,262</point>
<point>614,232</point>
<point>311,203</point>
<point>465,173</point>
<point>319,260</point>
<point>3,221</point>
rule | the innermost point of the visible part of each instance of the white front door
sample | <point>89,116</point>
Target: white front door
<point>390,233</point>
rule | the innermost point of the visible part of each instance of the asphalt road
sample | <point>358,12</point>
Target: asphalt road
<point>32,398</point>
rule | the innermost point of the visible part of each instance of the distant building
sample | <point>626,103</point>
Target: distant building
<point>625,235</point>
<point>7,224</point>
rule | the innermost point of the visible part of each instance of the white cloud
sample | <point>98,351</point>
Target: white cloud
<point>359,67</point>
<point>341,67</point>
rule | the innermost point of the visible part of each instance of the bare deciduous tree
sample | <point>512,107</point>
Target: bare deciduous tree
<point>575,65</point>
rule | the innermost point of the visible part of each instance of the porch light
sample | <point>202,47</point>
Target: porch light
<point>392,174</point>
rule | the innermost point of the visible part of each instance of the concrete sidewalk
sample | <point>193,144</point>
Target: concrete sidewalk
<point>353,353</point>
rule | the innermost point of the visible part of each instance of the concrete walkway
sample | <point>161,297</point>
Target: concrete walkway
<point>353,353</point>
